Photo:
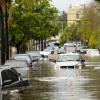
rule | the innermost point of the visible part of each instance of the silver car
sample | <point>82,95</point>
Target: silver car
<point>20,65</point>
<point>25,57</point>
<point>35,55</point>
<point>70,60</point>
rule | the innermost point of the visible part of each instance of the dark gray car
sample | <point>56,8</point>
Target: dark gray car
<point>11,79</point>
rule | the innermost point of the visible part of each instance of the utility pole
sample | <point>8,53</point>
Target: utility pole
<point>6,31</point>
<point>2,37</point>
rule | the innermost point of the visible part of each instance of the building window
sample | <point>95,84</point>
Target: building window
<point>78,15</point>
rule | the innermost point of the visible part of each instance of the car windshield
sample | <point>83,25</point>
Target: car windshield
<point>36,54</point>
<point>48,49</point>
<point>68,58</point>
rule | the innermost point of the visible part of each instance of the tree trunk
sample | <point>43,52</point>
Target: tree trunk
<point>18,48</point>
<point>2,37</point>
<point>41,45</point>
<point>36,45</point>
<point>44,43</point>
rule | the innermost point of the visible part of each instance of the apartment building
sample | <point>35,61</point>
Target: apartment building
<point>74,15</point>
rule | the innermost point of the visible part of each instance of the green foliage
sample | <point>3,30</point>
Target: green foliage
<point>33,19</point>
<point>97,0</point>
<point>67,34</point>
<point>89,27</point>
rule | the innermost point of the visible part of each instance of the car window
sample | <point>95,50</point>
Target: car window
<point>69,57</point>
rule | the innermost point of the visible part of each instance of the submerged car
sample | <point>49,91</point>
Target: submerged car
<point>20,65</point>
<point>11,79</point>
<point>35,55</point>
<point>46,51</point>
<point>92,52</point>
<point>70,47</point>
<point>25,57</point>
<point>70,60</point>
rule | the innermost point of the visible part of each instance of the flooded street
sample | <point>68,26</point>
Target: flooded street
<point>50,83</point>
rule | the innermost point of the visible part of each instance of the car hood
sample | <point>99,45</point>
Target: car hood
<point>68,63</point>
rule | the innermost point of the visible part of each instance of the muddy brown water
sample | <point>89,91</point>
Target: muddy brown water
<point>50,83</point>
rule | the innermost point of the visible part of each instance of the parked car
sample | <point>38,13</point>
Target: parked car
<point>70,47</point>
<point>11,79</point>
<point>35,55</point>
<point>70,60</point>
<point>61,50</point>
<point>83,51</point>
<point>20,65</point>
<point>46,51</point>
<point>92,52</point>
<point>79,46</point>
<point>25,57</point>
<point>53,43</point>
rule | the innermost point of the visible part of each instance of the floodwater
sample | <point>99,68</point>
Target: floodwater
<point>50,83</point>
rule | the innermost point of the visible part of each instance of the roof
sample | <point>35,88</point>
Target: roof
<point>70,53</point>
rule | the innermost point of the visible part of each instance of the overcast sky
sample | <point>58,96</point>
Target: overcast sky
<point>63,5</point>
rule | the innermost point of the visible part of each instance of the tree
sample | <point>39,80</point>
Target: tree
<point>97,0</point>
<point>88,28</point>
<point>32,20</point>
<point>67,34</point>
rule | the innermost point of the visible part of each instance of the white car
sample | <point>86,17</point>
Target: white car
<point>92,52</point>
<point>46,51</point>
<point>70,47</point>
<point>70,60</point>
<point>35,55</point>
<point>24,57</point>
<point>20,65</point>
<point>83,51</point>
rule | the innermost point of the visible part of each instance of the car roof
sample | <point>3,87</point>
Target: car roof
<point>70,53</point>
<point>14,60</point>
<point>33,52</point>
<point>92,49</point>
<point>4,67</point>
<point>22,55</point>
